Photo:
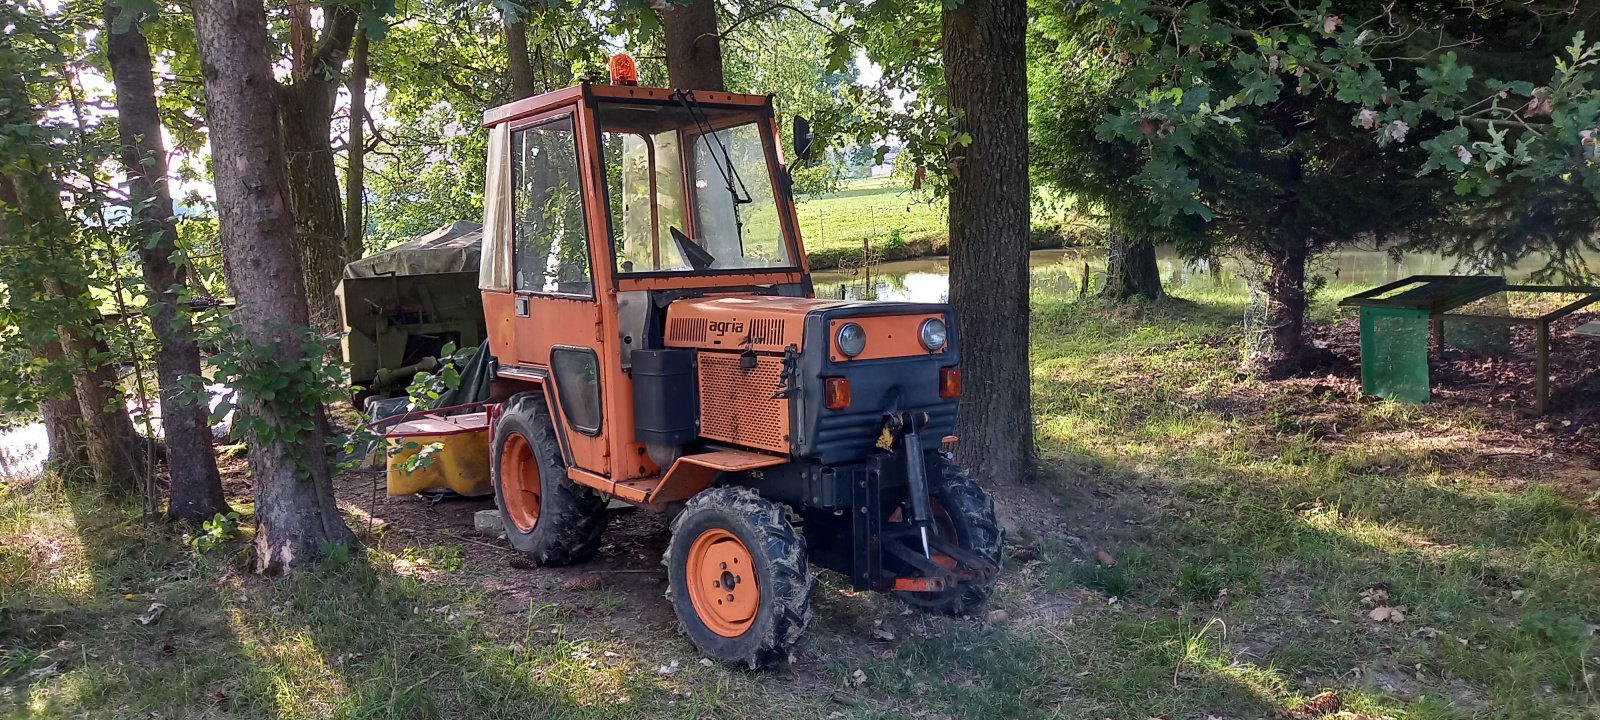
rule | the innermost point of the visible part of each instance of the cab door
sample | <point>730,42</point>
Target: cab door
<point>557,314</point>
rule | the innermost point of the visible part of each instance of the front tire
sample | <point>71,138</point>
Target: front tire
<point>962,508</point>
<point>547,516</point>
<point>738,578</point>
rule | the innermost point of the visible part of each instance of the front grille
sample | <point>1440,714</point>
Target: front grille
<point>764,331</point>
<point>687,330</point>
<point>849,437</point>
<point>736,405</point>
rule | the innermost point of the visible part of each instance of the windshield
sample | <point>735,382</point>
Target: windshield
<point>685,197</point>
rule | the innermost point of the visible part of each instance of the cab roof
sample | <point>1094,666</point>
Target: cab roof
<point>592,92</point>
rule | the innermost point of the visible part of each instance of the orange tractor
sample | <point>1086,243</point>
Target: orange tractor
<point>653,338</point>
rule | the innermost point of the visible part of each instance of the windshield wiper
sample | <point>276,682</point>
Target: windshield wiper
<point>725,167</point>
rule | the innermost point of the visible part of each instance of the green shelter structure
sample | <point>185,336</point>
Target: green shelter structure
<point>1400,320</point>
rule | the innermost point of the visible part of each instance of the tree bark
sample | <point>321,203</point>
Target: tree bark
<point>986,71</point>
<point>117,453</point>
<point>305,107</point>
<point>1279,350</point>
<point>1131,269</point>
<point>518,64</point>
<point>296,516</point>
<point>355,224</point>
<point>63,422</point>
<point>196,492</point>
<point>694,48</point>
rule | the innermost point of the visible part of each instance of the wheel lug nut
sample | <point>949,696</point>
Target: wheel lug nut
<point>730,598</point>
<point>724,566</point>
<point>716,583</point>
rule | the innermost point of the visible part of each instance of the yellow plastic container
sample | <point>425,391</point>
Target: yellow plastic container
<point>457,448</point>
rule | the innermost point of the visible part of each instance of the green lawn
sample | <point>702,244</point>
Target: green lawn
<point>1256,528</point>
<point>871,209</point>
<point>898,223</point>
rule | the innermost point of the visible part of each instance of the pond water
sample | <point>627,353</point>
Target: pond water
<point>24,448</point>
<point>1059,273</point>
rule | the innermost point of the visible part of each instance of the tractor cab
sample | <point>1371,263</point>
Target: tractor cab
<point>653,338</point>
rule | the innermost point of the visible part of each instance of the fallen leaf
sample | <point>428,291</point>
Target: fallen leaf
<point>584,582</point>
<point>1386,613</point>
<point>47,671</point>
<point>856,679</point>
<point>152,614</point>
<point>882,634</point>
<point>1331,23</point>
<point>1427,633</point>
<point>706,662</point>
<point>1222,599</point>
<point>1375,595</point>
<point>521,563</point>
<point>998,616</point>
<point>1024,554</point>
<point>668,669</point>
<point>1323,703</point>
<point>1103,558</point>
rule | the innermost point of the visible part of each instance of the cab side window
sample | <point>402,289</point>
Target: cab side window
<point>551,238</point>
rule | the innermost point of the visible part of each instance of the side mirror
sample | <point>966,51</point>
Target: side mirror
<point>803,137</point>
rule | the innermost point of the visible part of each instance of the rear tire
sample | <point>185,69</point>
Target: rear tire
<point>547,516</point>
<point>737,577</point>
<point>968,510</point>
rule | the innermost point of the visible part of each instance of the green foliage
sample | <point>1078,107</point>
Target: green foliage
<point>426,388</point>
<point>214,532</point>
<point>1358,97</point>
<point>279,389</point>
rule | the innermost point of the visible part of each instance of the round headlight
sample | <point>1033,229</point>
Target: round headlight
<point>934,334</point>
<point>851,340</point>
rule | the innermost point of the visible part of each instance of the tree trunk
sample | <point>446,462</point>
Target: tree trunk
<point>196,492</point>
<point>519,67</point>
<point>1279,349</point>
<point>355,224</point>
<point>306,113</point>
<point>296,516</point>
<point>986,71</point>
<point>694,49</point>
<point>58,407</point>
<point>305,107</point>
<point>1131,269</point>
<point>63,422</point>
<point>115,452</point>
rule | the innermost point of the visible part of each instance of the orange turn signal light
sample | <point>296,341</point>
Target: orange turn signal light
<point>836,393</point>
<point>949,382</point>
<point>623,70</point>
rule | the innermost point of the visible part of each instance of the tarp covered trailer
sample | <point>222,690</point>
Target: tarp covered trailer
<point>399,307</point>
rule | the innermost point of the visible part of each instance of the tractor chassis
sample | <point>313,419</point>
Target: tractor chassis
<point>846,511</point>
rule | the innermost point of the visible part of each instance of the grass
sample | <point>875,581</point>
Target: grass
<point>897,222</point>
<point>1252,525</point>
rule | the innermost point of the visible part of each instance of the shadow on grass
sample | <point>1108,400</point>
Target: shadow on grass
<point>1496,581</point>
<point>348,638</point>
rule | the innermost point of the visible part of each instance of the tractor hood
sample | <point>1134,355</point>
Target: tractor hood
<point>771,324</point>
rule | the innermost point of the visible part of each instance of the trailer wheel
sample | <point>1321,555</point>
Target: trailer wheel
<point>547,516</point>
<point>961,508</point>
<point>737,577</point>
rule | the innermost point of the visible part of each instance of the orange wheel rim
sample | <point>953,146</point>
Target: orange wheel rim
<point>721,575</point>
<point>519,482</point>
